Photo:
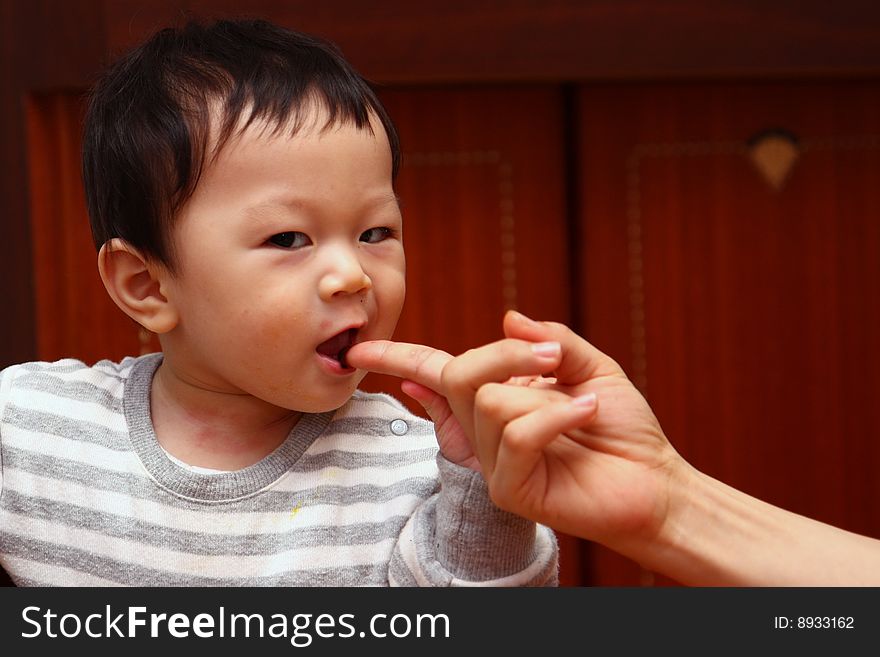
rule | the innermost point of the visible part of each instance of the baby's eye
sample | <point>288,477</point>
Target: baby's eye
<point>290,240</point>
<point>376,235</point>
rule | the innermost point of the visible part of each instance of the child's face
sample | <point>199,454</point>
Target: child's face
<point>286,243</point>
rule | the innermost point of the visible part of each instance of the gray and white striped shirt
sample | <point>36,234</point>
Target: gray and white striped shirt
<point>355,497</point>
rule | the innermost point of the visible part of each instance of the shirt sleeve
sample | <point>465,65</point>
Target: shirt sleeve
<point>5,387</point>
<point>458,537</point>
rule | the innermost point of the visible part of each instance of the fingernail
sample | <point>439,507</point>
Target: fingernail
<point>547,349</point>
<point>585,401</point>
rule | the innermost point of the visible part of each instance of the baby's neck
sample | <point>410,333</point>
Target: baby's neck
<point>212,429</point>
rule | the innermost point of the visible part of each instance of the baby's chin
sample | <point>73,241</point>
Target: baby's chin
<point>319,401</point>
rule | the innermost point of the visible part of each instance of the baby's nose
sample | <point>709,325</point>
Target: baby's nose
<point>346,276</point>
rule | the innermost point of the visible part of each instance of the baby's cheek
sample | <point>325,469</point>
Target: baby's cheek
<point>270,338</point>
<point>391,297</point>
<point>271,324</point>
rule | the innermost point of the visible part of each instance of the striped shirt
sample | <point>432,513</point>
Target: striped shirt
<point>355,497</point>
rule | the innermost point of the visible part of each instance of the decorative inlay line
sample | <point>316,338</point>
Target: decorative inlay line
<point>635,245</point>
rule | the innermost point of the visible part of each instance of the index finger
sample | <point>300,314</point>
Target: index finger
<point>415,362</point>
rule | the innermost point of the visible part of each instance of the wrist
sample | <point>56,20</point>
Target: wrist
<point>664,543</point>
<point>710,533</point>
<point>681,546</point>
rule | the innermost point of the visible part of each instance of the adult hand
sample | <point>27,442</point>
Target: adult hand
<point>606,480</point>
<point>445,386</point>
<point>545,451</point>
<point>609,475</point>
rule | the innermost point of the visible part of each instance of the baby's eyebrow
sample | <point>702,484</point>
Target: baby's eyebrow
<point>278,203</point>
<point>391,198</point>
<point>286,204</point>
<point>385,200</point>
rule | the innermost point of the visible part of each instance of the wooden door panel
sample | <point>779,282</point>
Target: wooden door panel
<point>747,313</point>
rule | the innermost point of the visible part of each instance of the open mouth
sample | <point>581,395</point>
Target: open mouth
<point>337,346</point>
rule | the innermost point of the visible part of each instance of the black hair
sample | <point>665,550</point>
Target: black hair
<point>148,123</point>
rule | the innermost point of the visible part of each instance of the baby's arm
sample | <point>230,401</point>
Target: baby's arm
<point>5,385</point>
<point>459,537</point>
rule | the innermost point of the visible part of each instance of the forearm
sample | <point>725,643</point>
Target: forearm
<point>479,541</point>
<point>460,538</point>
<point>715,535</point>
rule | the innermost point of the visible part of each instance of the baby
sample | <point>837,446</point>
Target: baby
<point>239,179</point>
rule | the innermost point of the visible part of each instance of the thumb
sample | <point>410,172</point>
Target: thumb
<point>580,362</point>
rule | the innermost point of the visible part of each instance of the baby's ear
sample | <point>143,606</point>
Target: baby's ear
<point>137,285</point>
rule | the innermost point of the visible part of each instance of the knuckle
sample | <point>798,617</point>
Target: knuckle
<point>455,373</point>
<point>511,349</point>
<point>452,376</point>
<point>489,399</point>
<point>558,328</point>
<point>514,438</point>
<point>420,359</point>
